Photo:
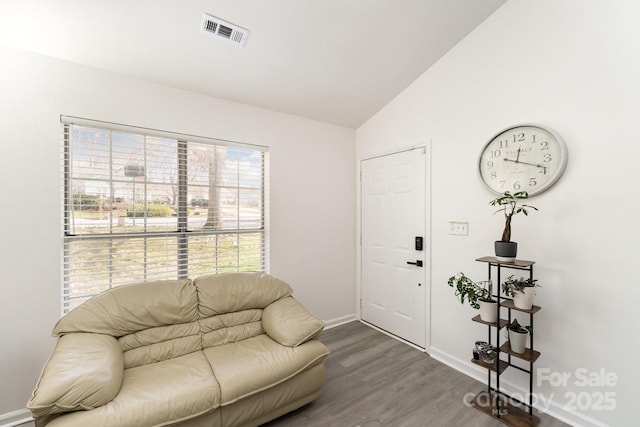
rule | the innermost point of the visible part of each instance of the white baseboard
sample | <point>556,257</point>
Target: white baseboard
<point>338,321</point>
<point>15,418</point>
<point>480,374</point>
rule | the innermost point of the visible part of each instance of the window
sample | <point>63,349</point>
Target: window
<point>144,205</point>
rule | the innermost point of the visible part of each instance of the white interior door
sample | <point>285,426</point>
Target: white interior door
<point>394,292</point>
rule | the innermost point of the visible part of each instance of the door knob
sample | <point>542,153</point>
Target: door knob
<point>418,263</point>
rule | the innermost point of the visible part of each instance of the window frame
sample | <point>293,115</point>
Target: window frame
<point>182,232</point>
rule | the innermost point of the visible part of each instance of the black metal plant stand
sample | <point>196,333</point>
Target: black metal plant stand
<point>493,401</point>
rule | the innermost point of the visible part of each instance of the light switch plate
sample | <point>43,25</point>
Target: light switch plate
<point>458,228</point>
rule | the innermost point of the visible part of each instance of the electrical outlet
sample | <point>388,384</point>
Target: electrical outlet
<point>458,228</point>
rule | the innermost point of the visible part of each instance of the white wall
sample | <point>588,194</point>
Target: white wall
<point>573,65</point>
<point>312,194</point>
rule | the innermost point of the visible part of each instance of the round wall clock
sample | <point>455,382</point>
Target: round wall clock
<point>525,157</point>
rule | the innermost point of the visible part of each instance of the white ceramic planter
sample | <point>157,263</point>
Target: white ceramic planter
<point>488,311</point>
<point>518,341</point>
<point>524,299</point>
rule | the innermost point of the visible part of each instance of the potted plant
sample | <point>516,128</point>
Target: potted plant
<point>521,290</point>
<point>478,295</point>
<point>486,352</point>
<point>510,205</point>
<point>518,336</point>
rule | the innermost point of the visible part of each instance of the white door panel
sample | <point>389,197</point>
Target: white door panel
<point>393,214</point>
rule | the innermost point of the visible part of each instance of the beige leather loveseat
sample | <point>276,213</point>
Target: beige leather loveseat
<point>221,350</point>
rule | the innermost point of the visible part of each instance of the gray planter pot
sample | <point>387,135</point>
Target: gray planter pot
<point>506,251</point>
<point>518,340</point>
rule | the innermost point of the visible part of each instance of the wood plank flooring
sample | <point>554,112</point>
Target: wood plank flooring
<point>374,380</point>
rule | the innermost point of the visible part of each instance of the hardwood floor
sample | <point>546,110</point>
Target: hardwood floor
<point>374,380</point>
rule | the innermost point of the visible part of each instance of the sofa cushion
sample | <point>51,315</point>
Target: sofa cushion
<point>84,371</point>
<point>155,395</point>
<point>161,343</point>
<point>230,292</point>
<point>231,327</point>
<point>289,323</point>
<point>131,308</point>
<point>250,366</point>
<point>267,405</point>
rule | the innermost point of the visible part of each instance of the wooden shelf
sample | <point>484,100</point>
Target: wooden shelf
<point>492,366</point>
<point>505,411</point>
<point>528,355</point>
<point>508,303</point>
<point>519,263</point>
<point>501,324</point>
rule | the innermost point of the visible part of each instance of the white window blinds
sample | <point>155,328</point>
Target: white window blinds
<point>143,205</point>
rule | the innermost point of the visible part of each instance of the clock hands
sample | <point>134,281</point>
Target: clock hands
<point>525,163</point>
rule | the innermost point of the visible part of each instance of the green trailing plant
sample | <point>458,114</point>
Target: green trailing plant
<point>510,205</point>
<point>517,327</point>
<point>512,285</point>
<point>470,290</point>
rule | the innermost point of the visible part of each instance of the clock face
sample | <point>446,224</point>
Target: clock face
<point>523,158</point>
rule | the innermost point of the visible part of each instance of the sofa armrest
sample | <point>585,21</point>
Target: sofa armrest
<point>84,372</point>
<point>289,323</point>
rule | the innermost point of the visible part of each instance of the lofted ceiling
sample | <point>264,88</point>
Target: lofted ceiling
<point>336,61</point>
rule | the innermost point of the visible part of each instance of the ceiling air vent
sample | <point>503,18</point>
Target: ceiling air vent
<point>216,27</point>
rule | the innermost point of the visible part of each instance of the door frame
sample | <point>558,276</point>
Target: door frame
<point>427,239</point>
